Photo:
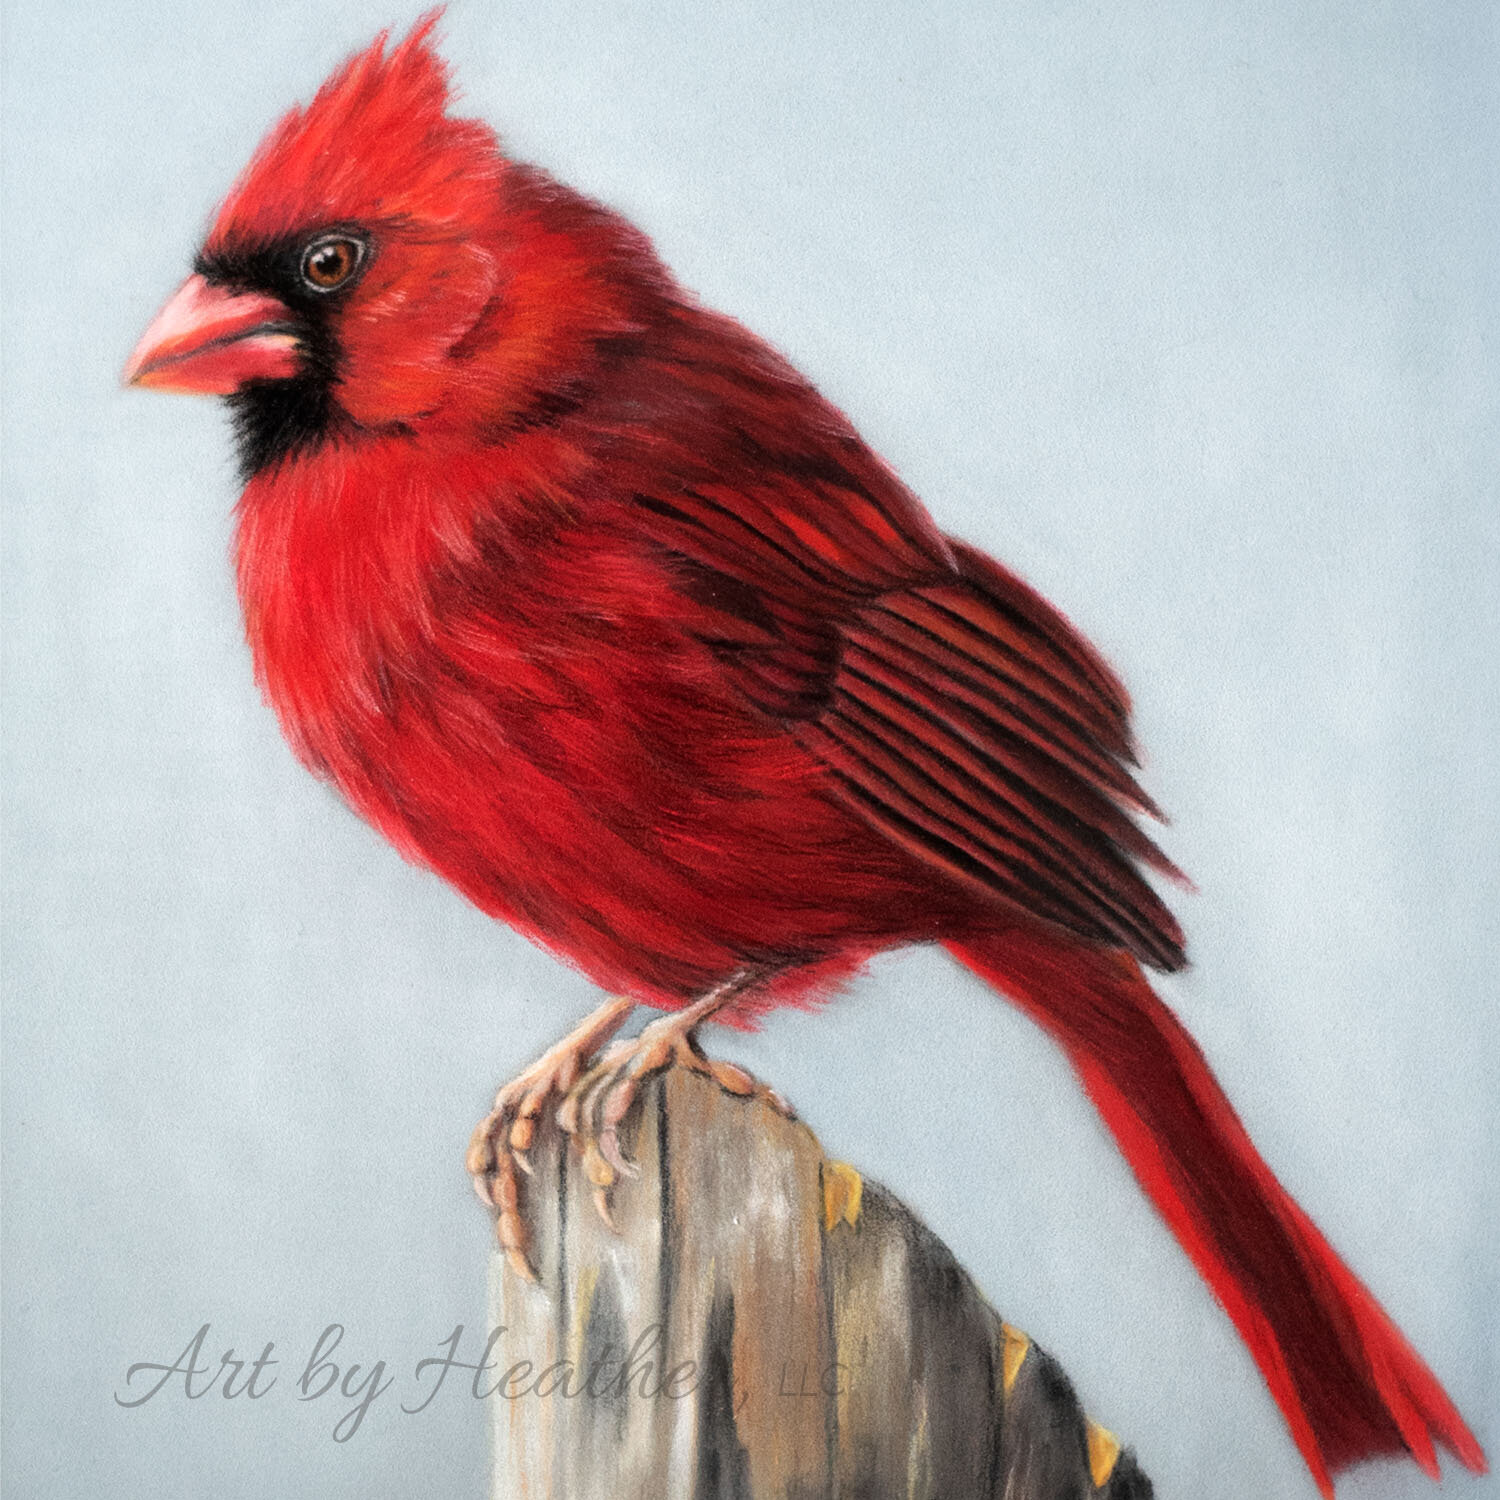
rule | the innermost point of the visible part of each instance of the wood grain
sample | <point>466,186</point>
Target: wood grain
<point>765,1325</point>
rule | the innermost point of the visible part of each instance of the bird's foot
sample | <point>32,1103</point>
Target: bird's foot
<point>597,1104</point>
<point>497,1150</point>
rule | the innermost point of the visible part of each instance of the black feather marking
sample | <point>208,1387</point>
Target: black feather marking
<point>275,418</point>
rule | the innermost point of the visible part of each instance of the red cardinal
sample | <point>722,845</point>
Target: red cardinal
<point>591,603</point>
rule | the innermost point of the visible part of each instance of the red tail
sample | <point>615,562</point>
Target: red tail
<point>1348,1383</point>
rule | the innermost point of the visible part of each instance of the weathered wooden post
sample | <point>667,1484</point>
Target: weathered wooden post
<point>764,1326</point>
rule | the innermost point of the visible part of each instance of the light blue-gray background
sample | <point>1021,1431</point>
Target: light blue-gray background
<point>1186,310</point>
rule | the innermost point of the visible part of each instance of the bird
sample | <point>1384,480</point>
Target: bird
<point>591,603</point>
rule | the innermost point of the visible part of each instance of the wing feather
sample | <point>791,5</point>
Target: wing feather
<point>954,708</point>
<point>1059,848</point>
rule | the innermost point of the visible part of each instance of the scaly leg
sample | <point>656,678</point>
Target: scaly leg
<point>599,1101</point>
<point>500,1142</point>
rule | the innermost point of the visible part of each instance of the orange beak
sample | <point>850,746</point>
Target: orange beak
<point>209,341</point>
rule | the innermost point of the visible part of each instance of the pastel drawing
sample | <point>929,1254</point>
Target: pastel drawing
<point>589,602</point>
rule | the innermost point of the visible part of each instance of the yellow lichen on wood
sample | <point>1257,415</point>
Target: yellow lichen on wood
<point>1013,1356</point>
<point>583,1301</point>
<point>842,1189</point>
<point>1104,1449</point>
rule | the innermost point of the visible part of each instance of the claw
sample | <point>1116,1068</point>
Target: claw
<point>609,1149</point>
<point>523,1161</point>
<point>601,1207</point>
<point>479,1158</point>
<point>596,1167</point>
<point>482,1188</point>
<point>590,1090</point>
<point>518,1263</point>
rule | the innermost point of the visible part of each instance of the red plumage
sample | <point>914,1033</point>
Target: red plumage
<point>589,602</point>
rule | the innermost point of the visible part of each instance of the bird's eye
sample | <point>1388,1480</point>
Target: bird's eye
<point>330,262</point>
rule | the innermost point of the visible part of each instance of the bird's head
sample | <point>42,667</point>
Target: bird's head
<point>379,267</point>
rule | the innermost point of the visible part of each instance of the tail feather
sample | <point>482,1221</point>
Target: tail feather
<point>1346,1380</point>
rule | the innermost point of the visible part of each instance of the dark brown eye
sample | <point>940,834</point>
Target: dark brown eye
<point>329,262</point>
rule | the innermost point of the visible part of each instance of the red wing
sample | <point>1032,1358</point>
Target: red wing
<point>957,710</point>
<point>969,721</point>
<point>962,715</point>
